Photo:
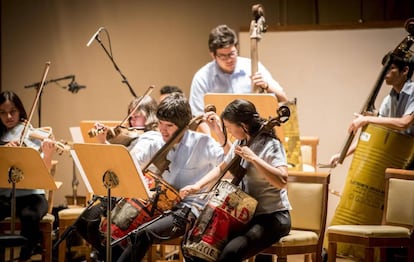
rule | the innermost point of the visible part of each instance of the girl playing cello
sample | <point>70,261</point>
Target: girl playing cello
<point>265,180</point>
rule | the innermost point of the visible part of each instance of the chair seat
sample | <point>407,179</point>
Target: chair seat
<point>12,241</point>
<point>70,213</point>
<point>46,218</point>
<point>370,231</point>
<point>298,237</point>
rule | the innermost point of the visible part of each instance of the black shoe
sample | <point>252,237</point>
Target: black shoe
<point>324,255</point>
<point>37,250</point>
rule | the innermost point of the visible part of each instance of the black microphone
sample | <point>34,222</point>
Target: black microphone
<point>74,87</point>
<point>94,36</point>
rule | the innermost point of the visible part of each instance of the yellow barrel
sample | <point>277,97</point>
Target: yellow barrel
<point>362,199</point>
<point>292,139</point>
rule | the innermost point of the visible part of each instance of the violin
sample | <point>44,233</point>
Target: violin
<point>121,134</point>
<point>34,137</point>
<point>118,135</point>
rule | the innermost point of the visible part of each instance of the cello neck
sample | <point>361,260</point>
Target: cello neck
<point>160,158</point>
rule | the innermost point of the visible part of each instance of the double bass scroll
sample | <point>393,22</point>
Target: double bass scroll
<point>257,27</point>
<point>402,51</point>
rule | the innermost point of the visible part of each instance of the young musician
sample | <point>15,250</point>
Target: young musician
<point>265,180</point>
<point>397,108</point>
<point>31,204</point>
<point>144,118</point>
<point>228,72</point>
<point>190,159</point>
<point>166,90</point>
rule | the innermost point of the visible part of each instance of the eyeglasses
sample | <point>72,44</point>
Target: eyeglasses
<point>225,57</point>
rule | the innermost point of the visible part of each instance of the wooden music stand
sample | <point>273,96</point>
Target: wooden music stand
<point>266,104</point>
<point>22,168</point>
<point>111,170</point>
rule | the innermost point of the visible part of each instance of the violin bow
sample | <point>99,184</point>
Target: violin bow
<point>38,94</point>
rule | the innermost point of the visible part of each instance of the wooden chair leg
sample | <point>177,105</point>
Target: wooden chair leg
<point>282,259</point>
<point>369,254</point>
<point>47,243</point>
<point>332,252</point>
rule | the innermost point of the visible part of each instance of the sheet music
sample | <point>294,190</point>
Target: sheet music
<point>76,133</point>
<point>81,171</point>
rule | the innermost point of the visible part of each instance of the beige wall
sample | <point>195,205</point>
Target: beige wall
<point>164,42</point>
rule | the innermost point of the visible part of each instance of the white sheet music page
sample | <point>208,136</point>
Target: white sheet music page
<point>81,171</point>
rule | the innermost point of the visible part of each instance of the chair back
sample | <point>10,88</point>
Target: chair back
<point>309,150</point>
<point>399,198</point>
<point>308,195</point>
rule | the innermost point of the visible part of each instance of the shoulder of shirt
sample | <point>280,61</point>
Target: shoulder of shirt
<point>150,135</point>
<point>408,87</point>
<point>195,135</point>
<point>207,68</point>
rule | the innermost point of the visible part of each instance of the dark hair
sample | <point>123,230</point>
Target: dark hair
<point>14,98</point>
<point>243,113</point>
<point>220,37</point>
<point>176,109</point>
<point>170,89</point>
<point>148,107</point>
<point>401,62</point>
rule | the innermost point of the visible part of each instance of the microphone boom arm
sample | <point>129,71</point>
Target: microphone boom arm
<point>36,85</point>
<point>124,79</point>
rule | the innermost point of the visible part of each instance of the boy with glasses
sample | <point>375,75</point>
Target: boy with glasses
<point>228,72</point>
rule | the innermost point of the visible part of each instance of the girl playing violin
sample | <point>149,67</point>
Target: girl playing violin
<point>31,204</point>
<point>143,119</point>
<point>265,179</point>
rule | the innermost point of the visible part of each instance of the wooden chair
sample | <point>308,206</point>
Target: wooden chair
<point>397,225</point>
<point>46,224</point>
<point>308,195</point>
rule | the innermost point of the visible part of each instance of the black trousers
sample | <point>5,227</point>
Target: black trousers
<point>262,231</point>
<point>30,210</point>
<point>170,225</point>
<point>88,226</point>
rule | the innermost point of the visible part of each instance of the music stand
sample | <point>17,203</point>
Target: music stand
<point>111,167</point>
<point>24,169</point>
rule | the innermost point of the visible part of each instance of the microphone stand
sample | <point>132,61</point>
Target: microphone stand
<point>37,85</point>
<point>124,79</point>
